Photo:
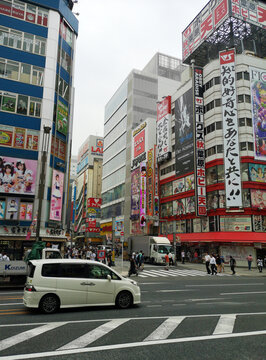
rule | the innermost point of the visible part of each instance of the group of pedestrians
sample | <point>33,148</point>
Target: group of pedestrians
<point>136,263</point>
<point>216,262</point>
<point>259,262</point>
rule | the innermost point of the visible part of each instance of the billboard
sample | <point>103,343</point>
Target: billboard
<point>200,176</point>
<point>258,101</point>
<point>232,172</point>
<point>156,185</point>
<point>257,172</point>
<point>150,171</point>
<point>184,148</point>
<point>135,193</point>
<point>62,118</point>
<point>143,194</point>
<point>57,196</point>
<point>258,198</point>
<point>17,176</point>
<point>164,130</point>
<point>139,143</point>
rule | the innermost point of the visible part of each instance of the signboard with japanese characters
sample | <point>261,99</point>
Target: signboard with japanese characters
<point>200,188</point>
<point>258,91</point>
<point>156,184</point>
<point>164,130</point>
<point>250,11</point>
<point>230,130</point>
<point>143,194</point>
<point>150,171</point>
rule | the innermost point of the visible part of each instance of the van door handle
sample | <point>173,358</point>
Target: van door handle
<point>85,283</point>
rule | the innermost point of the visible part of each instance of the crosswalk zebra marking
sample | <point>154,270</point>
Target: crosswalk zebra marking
<point>225,324</point>
<point>93,335</point>
<point>165,329</point>
<point>174,273</point>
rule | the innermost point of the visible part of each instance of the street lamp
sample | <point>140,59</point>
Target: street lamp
<point>45,146</point>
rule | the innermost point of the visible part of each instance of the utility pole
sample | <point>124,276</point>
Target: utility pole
<point>45,145</point>
<point>174,240</point>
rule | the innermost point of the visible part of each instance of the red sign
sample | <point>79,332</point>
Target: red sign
<point>101,254</point>
<point>93,230</point>
<point>164,108</point>
<point>139,143</point>
<point>122,233</point>
<point>94,202</point>
<point>227,57</point>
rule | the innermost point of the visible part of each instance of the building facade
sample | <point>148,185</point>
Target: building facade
<point>86,194</point>
<point>134,101</point>
<point>213,191</point>
<point>37,42</point>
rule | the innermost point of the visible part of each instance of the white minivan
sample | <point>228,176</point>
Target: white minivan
<point>64,283</point>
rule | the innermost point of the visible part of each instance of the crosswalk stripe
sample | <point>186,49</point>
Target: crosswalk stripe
<point>156,272</point>
<point>225,324</point>
<point>26,335</point>
<point>165,329</point>
<point>150,274</point>
<point>93,335</point>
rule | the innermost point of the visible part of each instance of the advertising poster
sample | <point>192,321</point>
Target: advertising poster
<point>22,211</point>
<point>91,219</point>
<point>12,208</point>
<point>257,172</point>
<point>2,209</point>
<point>235,223</point>
<point>190,204</point>
<point>135,193</point>
<point>18,176</point>
<point>258,102</point>
<point>6,135</point>
<point>29,212</point>
<point>258,198</point>
<point>57,196</point>
<point>139,143</point>
<point>189,182</point>
<point>143,194</point>
<point>62,118</point>
<point>184,148</point>
<point>179,207</point>
<point>156,184</point>
<point>94,202</point>
<point>62,150</point>
<point>9,102</point>
<point>150,183</point>
<point>232,170</point>
<point>32,142</point>
<point>178,186</point>
<point>164,130</point>
<point>19,138</point>
<point>119,227</point>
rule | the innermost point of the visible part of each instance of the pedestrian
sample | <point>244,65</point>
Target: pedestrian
<point>109,258</point>
<point>166,261</point>
<point>141,260</point>
<point>196,256</point>
<point>260,264</point>
<point>232,265</point>
<point>222,262</point>
<point>183,256</point>
<point>132,266</point>
<point>5,257</point>
<point>189,256</point>
<point>171,262</point>
<point>249,259</point>
<point>207,263</point>
<point>218,263</point>
<point>137,259</point>
<point>213,265</point>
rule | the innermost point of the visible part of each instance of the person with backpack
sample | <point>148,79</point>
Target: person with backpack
<point>141,260</point>
<point>260,264</point>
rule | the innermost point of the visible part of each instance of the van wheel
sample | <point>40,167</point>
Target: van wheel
<point>124,300</point>
<point>49,304</point>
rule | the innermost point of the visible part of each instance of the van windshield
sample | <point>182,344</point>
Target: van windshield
<point>164,249</point>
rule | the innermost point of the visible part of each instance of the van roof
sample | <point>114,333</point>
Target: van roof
<point>63,261</point>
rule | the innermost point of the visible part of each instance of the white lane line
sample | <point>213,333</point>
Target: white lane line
<point>11,293</point>
<point>204,299</point>
<point>151,283</point>
<point>165,329</point>
<point>225,325</point>
<point>93,335</point>
<point>26,335</point>
<point>254,284</point>
<point>173,290</point>
<point>179,304</point>
<point>154,306</point>
<point>245,293</point>
<point>7,304</point>
<point>131,345</point>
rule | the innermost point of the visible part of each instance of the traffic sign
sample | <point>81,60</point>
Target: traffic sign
<point>122,233</point>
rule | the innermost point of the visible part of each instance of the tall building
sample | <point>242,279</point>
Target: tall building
<point>86,195</point>
<point>134,101</point>
<point>213,191</point>
<point>37,43</point>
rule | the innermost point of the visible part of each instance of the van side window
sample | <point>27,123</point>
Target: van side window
<point>100,272</point>
<point>50,270</point>
<point>73,270</point>
<point>31,270</point>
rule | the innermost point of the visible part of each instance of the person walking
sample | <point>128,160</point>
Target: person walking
<point>109,258</point>
<point>183,256</point>
<point>141,260</point>
<point>213,265</point>
<point>132,266</point>
<point>166,261</point>
<point>189,256</point>
<point>232,264</point>
<point>171,262</point>
<point>222,263</point>
<point>218,263</point>
<point>249,259</point>
<point>260,264</point>
<point>207,263</point>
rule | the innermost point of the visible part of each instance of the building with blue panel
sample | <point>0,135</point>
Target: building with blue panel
<point>37,52</point>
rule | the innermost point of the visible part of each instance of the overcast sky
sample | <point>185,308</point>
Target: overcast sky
<point>116,36</point>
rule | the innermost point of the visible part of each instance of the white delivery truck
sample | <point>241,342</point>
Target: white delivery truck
<point>17,270</point>
<point>154,248</point>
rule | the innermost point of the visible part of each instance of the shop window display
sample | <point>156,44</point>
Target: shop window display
<point>211,175</point>
<point>179,206</point>
<point>212,200</point>
<point>189,182</point>
<point>178,186</point>
<point>167,189</point>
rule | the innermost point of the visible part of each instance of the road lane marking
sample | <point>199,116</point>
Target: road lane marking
<point>93,335</point>
<point>154,306</point>
<point>148,273</point>
<point>131,345</point>
<point>204,299</point>
<point>254,284</point>
<point>11,304</point>
<point>165,329</point>
<point>14,313</point>
<point>172,290</point>
<point>155,272</point>
<point>26,335</point>
<point>225,324</point>
<point>11,298</point>
<point>245,293</point>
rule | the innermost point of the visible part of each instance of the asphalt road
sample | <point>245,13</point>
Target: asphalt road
<point>181,317</point>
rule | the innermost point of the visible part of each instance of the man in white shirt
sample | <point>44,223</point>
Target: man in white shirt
<point>5,257</point>
<point>183,256</point>
<point>170,255</point>
<point>207,263</point>
<point>213,265</point>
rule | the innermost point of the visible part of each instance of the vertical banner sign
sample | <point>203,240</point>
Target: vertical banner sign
<point>150,183</point>
<point>57,196</point>
<point>200,193</point>
<point>135,193</point>
<point>164,130</point>
<point>230,130</point>
<point>143,194</point>
<point>156,185</point>
<point>258,101</point>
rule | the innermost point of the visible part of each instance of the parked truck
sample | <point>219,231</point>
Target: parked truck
<point>17,270</point>
<point>154,248</point>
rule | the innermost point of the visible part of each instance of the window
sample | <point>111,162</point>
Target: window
<point>73,270</point>
<point>35,107</point>
<point>242,122</point>
<point>15,39</point>
<point>211,175</point>
<point>239,75</point>
<point>28,42</point>
<point>25,71</point>
<point>250,146</point>
<point>50,270</point>
<point>240,98</point>
<point>217,80</point>
<point>9,102</point>
<point>39,45</point>
<point>219,149</point>
<point>22,105</point>
<point>246,75</point>
<point>37,76</point>
<point>249,122</point>
<point>4,34</point>
<point>218,102</point>
<point>101,272</point>
<point>243,146</point>
<point>219,125</point>
<point>247,99</point>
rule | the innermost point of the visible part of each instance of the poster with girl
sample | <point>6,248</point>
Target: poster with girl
<point>57,195</point>
<point>17,176</point>
<point>12,209</point>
